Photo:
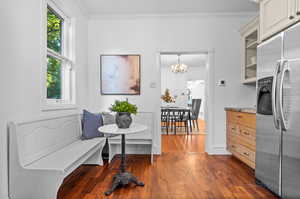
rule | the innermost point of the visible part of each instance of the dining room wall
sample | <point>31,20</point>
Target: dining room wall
<point>21,53</point>
<point>150,35</point>
<point>177,82</point>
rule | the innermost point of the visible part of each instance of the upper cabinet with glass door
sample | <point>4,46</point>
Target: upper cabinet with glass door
<point>276,15</point>
<point>250,40</point>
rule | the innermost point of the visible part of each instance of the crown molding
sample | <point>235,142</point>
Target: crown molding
<point>179,15</point>
<point>252,24</point>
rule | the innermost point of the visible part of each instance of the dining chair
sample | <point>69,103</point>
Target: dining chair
<point>165,119</point>
<point>173,117</point>
<point>181,118</point>
<point>196,104</point>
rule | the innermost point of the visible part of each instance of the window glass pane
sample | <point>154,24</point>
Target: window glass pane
<point>54,79</point>
<point>54,31</point>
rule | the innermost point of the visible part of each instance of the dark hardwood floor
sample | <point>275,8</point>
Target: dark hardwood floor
<point>183,143</point>
<point>180,131</point>
<point>183,171</point>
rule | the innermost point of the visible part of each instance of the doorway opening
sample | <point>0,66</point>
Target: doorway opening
<point>183,101</point>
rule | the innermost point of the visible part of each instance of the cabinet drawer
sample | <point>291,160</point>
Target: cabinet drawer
<point>243,159</point>
<point>231,117</point>
<point>232,129</point>
<point>247,137</point>
<point>247,132</point>
<point>246,143</point>
<point>246,153</point>
<point>232,147</point>
<point>246,119</point>
<point>232,139</point>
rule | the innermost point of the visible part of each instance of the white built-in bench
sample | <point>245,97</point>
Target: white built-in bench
<point>140,143</point>
<point>43,152</point>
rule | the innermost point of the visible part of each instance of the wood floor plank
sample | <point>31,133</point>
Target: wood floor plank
<point>183,171</point>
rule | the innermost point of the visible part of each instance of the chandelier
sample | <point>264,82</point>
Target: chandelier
<point>179,67</point>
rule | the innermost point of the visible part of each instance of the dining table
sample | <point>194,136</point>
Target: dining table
<point>179,109</point>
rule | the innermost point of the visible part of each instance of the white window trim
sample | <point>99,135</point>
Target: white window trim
<point>67,57</point>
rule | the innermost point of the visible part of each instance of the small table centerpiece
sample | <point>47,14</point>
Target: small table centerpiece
<point>124,110</point>
<point>167,98</point>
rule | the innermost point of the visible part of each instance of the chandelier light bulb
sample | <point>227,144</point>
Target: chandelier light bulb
<point>179,67</point>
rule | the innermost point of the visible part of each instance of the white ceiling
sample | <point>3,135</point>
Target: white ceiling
<point>121,7</point>
<point>191,60</point>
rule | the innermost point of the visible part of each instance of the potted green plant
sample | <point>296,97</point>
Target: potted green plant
<point>123,111</point>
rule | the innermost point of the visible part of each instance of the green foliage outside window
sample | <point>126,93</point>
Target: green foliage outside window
<point>53,78</point>
<point>54,31</point>
<point>54,41</point>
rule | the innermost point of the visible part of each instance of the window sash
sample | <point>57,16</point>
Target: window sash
<point>66,83</point>
<point>66,32</point>
<point>61,28</point>
<point>65,56</point>
<point>56,55</point>
<point>60,70</point>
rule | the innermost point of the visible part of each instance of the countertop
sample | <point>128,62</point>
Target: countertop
<point>239,109</point>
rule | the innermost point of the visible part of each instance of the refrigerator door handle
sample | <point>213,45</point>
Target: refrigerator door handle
<point>274,90</point>
<point>281,112</point>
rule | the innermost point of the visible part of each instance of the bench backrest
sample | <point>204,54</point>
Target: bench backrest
<point>39,138</point>
<point>146,118</point>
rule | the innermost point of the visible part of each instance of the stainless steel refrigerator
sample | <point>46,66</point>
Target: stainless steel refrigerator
<point>278,114</point>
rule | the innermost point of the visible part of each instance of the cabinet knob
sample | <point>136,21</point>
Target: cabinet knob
<point>246,133</point>
<point>291,17</point>
<point>247,154</point>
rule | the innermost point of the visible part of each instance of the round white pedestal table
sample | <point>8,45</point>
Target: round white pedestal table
<point>122,177</point>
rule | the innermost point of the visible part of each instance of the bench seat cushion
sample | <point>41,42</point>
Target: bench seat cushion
<point>64,158</point>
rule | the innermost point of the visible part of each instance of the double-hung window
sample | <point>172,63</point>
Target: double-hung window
<point>60,72</point>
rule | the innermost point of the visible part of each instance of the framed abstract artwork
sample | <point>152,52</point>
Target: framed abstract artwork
<point>120,74</point>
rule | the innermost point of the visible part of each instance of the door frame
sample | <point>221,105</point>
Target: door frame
<point>209,92</point>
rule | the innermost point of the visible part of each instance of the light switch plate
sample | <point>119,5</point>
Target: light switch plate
<point>153,85</point>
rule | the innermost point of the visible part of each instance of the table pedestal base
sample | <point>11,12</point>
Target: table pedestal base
<point>121,179</point>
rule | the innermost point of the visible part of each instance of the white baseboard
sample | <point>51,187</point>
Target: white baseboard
<point>218,150</point>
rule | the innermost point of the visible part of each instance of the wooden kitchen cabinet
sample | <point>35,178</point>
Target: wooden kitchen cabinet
<point>276,15</point>
<point>241,136</point>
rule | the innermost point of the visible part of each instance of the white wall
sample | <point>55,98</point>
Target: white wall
<point>148,35</point>
<point>21,61</point>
